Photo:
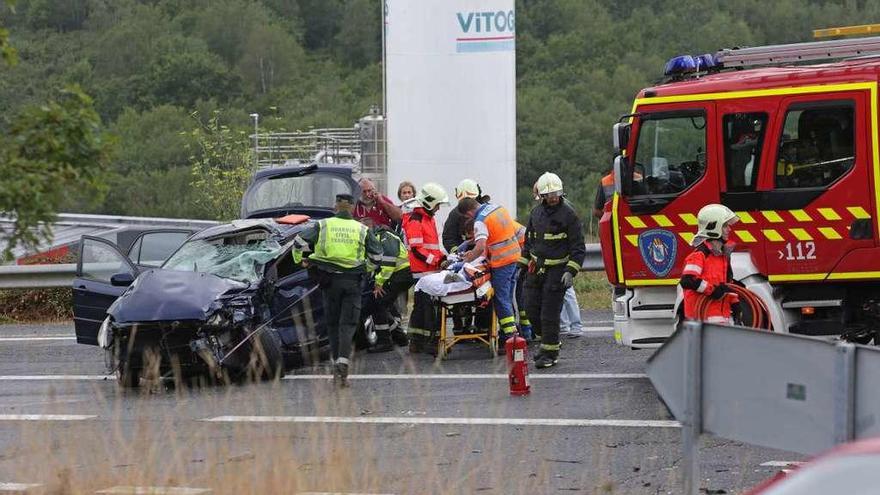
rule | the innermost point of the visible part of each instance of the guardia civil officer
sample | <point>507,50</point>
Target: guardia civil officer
<point>338,248</point>
<point>554,252</point>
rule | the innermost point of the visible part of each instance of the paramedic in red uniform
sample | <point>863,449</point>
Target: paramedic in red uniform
<point>707,269</point>
<point>425,257</point>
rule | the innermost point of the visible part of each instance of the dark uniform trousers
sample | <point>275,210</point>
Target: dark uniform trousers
<point>424,322</point>
<point>383,309</point>
<point>544,295</point>
<point>342,310</point>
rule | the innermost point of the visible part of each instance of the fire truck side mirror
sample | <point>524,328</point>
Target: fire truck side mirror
<point>621,136</point>
<point>618,174</point>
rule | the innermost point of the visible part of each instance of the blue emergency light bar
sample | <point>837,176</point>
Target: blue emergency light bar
<point>688,64</point>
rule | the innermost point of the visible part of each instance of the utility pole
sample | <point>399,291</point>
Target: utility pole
<point>256,118</point>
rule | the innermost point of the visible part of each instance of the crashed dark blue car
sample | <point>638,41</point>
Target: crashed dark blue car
<point>229,302</point>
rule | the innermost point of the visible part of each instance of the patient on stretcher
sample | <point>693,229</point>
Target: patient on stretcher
<point>459,276</point>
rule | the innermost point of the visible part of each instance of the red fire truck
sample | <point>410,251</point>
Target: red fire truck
<point>793,149</point>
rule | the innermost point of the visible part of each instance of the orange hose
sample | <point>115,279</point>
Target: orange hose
<point>760,315</point>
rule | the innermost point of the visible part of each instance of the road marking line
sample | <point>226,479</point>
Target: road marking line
<point>597,329</point>
<point>340,493</point>
<point>34,339</point>
<point>449,376</point>
<point>29,335</point>
<point>53,377</point>
<point>460,376</point>
<point>46,417</point>
<point>781,464</point>
<point>154,490</point>
<point>18,487</point>
<point>633,423</point>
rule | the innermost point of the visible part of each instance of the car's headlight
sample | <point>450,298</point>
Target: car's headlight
<point>105,336</point>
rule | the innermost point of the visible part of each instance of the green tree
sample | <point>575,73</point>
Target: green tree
<point>221,167</point>
<point>50,152</point>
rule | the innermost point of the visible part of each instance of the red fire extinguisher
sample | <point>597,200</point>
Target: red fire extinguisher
<point>517,349</point>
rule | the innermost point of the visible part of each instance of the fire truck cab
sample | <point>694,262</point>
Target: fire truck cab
<point>793,150</point>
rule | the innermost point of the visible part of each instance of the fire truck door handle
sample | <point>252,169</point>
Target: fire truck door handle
<point>861,229</point>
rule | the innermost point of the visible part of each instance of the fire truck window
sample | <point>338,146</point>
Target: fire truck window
<point>743,140</point>
<point>670,155</point>
<point>817,145</point>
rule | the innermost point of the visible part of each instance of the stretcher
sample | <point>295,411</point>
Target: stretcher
<point>471,300</point>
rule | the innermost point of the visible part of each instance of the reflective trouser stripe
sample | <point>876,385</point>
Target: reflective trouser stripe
<point>508,325</point>
<point>342,360</point>
<point>418,331</point>
<point>524,318</point>
<point>551,347</point>
<point>551,261</point>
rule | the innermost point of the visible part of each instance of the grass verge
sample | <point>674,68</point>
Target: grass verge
<point>593,290</point>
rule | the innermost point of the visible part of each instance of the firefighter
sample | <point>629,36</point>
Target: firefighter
<point>425,257</point>
<point>338,248</point>
<point>555,251</point>
<point>707,269</point>
<point>392,279</point>
<point>453,228</point>
<point>495,236</point>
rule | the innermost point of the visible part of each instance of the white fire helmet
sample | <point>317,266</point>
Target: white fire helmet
<point>549,183</point>
<point>468,188</point>
<point>711,220</point>
<point>432,195</point>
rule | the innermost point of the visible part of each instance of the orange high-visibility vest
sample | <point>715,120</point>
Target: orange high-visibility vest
<point>502,244</point>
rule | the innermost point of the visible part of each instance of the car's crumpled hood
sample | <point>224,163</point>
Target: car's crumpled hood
<point>167,295</point>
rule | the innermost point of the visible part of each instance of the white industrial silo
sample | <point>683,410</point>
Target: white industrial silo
<point>451,94</point>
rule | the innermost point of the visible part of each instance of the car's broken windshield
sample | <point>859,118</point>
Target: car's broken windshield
<point>240,257</point>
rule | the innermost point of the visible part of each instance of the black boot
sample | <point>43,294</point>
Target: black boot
<point>546,359</point>
<point>399,338</point>
<point>383,342</point>
<point>340,374</point>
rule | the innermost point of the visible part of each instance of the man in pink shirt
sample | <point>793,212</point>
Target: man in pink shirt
<point>375,206</point>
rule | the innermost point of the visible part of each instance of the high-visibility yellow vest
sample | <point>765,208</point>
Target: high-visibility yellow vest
<point>340,243</point>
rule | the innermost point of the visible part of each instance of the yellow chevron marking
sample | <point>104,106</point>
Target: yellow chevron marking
<point>662,220</point>
<point>801,234</point>
<point>829,233</point>
<point>744,217</point>
<point>772,235</point>
<point>801,216</point>
<point>772,216</point>
<point>745,235</point>
<point>858,212</point>
<point>687,236</point>
<point>633,239</point>
<point>688,218</point>
<point>829,213</point>
<point>636,222</point>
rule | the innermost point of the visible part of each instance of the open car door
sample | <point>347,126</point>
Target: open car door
<point>93,293</point>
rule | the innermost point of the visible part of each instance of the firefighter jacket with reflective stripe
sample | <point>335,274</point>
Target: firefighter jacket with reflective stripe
<point>425,254</point>
<point>703,271</point>
<point>338,244</point>
<point>394,255</point>
<point>554,237</point>
<point>501,245</point>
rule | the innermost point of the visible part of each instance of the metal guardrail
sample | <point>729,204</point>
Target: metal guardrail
<point>37,276</point>
<point>47,276</point>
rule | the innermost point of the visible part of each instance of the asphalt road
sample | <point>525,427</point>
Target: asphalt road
<point>593,424</point>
